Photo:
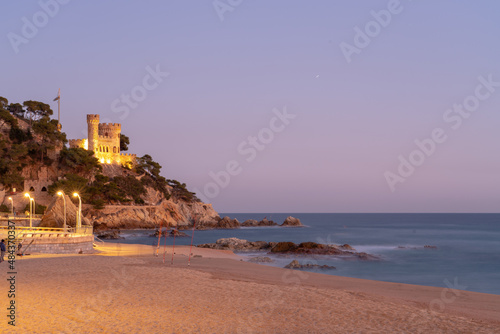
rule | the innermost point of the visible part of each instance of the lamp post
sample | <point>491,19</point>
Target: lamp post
<point>79,218</point>
<point>61,193</point>
<point>31,208</point>
<point>12,205</point>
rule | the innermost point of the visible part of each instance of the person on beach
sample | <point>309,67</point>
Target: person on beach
<point>2,250</point>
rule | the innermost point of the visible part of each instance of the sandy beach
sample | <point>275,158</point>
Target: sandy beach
<point>126,289</point>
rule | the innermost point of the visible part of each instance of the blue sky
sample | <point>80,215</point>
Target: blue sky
<point>351,118</point>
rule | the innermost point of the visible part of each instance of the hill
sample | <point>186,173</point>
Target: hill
<point>34,158</point>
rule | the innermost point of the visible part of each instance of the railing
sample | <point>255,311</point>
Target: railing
<point>84,230</point>
<point>19,217</point>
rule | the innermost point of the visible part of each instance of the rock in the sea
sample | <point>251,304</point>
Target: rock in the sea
<point>261,259</point>
<point>430,247</point>
<point>253,223</point>
<point>292,221</point>
<point>227,222</point>
<point>178,233</point>
<point>287,248</point>
<point>313,248</point>
<point>284,247</point>
<point>237,244</point>
<point>113,234</point>
<point>250,223</point>
<point>296,265</point>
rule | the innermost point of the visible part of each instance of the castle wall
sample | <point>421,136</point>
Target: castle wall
<point>75,143</point>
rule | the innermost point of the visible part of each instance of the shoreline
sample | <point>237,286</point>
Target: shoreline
<point>219,292</point>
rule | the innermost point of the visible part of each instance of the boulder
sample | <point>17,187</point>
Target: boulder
<point>292,222</point>
<point>54,216</point>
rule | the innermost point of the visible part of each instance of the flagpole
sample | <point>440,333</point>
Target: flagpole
<point>59,110</point>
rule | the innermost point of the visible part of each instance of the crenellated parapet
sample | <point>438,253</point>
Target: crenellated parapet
<point>110,130</point>
<point>93,118</point>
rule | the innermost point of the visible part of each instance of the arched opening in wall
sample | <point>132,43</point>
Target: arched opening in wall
<point>32,189</point>
<point>114,149</point>
<point>44,189</point>
<point>105,134</point>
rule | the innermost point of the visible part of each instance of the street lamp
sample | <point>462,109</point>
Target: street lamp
<point>79,218</point>
<point>61,193</point>
<point>31,207</point>
<point>12,205</point>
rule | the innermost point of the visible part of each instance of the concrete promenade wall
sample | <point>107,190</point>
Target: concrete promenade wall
<point>58,243</point>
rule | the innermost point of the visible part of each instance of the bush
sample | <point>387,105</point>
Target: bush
<point>98,204</point>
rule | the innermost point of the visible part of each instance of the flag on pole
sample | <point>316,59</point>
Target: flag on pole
<point>58,95</point>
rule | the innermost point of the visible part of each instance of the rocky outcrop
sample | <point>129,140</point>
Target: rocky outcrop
<point>292,222</point>
<point>254,223</point>
<point>287,248</point>
<point>236,244</point>
<point>296,265</point>
<point>312,248</point>
<point>167,213</point>
<point>227,222</point>
<point>54,216</point>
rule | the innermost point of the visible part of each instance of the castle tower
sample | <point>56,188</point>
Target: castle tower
<point>93,131</point>
<point>109,135</point>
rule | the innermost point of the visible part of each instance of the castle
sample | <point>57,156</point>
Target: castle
<point>104,140</point>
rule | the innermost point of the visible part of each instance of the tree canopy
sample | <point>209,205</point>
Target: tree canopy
<point>37,110</point>
<point>124,142</point>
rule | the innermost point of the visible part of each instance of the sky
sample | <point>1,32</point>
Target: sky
<point>279,106</point>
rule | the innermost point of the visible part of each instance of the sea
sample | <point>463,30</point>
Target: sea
<point>465,250</point>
